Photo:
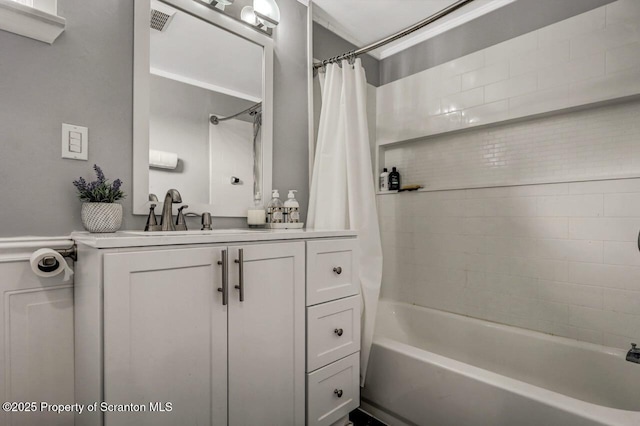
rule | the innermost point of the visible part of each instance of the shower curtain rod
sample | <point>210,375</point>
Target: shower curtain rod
<point>354,53</point>
<point>215,120</point>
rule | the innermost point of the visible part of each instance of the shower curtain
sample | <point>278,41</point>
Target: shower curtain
<point>342,186</point>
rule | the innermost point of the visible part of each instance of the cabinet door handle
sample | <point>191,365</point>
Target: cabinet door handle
<point>225,278</point>
<point>338,331</point>
<point>338,392</point>
<point>240,262</point>
<point>337,270</point>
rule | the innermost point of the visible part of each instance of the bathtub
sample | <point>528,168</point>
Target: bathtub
<point>429,367</point>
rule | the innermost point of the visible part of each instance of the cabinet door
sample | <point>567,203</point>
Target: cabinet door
<point>165,333</point>
<point>266,335</point>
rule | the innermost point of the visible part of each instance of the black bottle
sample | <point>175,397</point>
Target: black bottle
<point>394,180</point>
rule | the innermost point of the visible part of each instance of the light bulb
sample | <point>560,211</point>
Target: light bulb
<point>267,12</point>
<point>248,15</point>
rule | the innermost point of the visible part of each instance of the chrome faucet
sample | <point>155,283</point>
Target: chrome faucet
<point>166,221</point>
<point>634,354</point>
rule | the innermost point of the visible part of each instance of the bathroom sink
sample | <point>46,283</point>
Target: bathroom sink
<point>194,232</point>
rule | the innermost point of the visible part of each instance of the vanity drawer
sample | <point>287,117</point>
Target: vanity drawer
<point>333,391</point>
<point>333,331</point>
<point>332,270</point>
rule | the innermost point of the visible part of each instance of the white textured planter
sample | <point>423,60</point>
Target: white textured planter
<point>101,217</point>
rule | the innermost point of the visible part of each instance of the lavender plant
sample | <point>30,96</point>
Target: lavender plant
<point>100,190</point>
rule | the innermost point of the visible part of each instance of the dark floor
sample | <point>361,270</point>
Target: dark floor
<point>360,418</point>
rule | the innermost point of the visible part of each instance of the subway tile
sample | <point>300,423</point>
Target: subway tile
<point>622,11</point>
<point>485,75</point>
<point>584,23</point>
<point>464,64</point>
<point>576,70</point>
<point>554,54</point>
<point>584,317</point>
<point>538,227</point>
<point>571,250</point>
<point>462,100</point>
<point>623,57</point>
<point>622,301</point>
<point>514,86</point>
<point>553,311</point>
<point>513,206</point>
<point>622,205</point>
<point>539,190</point>
<point>606,229</point>
<point>605,275</point>
<point>616,341</point>
<point>539,102</point>
<point>605,186</point>
<point>487,113</point>
<point>571,205</point>
<point>590,336</point>
<point>606,39</point>
<point>515,46</point>
<point>609,86</point>
<point>621,253</point>
<point>571,294</point>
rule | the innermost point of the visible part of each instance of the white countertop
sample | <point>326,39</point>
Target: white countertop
<point>137,238</point>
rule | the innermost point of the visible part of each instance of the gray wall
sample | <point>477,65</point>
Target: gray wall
<point>179,122</point>
<point>290,133</point>
<point>515,19</point>
<point>327,44</point>
<point>86,78</point>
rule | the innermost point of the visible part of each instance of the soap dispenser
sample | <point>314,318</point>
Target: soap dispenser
<point>275,208</point>
<point>292,208</point>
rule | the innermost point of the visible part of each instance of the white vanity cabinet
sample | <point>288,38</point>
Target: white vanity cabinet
<point>153,326</point>
<point>333,331</point>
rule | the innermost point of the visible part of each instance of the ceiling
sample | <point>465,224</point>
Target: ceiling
<point>195,52</point>
<point>365,21</point>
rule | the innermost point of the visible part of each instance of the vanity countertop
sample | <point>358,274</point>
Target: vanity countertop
<point>123,239</point>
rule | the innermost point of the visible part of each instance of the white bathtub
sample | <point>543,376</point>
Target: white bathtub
<point>434,368</point>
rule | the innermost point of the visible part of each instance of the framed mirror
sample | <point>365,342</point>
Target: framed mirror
<point>203,96</point>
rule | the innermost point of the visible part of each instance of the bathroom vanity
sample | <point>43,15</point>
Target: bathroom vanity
<point>232,327</point>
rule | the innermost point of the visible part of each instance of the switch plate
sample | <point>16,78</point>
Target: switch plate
<point>75,142</point>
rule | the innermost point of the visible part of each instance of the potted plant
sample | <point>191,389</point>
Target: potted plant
<point>100,212</point>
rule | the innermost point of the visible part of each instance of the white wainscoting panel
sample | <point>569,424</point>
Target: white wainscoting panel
<point>36,335</point>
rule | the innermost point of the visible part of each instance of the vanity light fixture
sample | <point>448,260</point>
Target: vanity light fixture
<point>249,16</point>
<point>219,4</point>
<point>267,12</point>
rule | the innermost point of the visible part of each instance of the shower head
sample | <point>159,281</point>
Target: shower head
<point>161,16</point>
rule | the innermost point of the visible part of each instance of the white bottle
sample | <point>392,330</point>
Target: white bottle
<point>292,208</point>
<point>275,209</point>
<point>256,215</point>
<point>384,180</point>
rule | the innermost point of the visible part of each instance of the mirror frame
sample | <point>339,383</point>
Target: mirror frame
<point>141,102</point>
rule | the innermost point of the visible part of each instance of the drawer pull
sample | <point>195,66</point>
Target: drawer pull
<point>338,331</point>
<point>338,393</point>
<point>337,270</point>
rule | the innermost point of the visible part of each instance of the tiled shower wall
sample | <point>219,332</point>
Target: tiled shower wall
<point>591,57</point>
<point>559,258</point>
<point>597,143</point>
<point>556,250</point>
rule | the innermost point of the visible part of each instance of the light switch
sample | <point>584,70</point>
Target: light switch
<point>75,142</point>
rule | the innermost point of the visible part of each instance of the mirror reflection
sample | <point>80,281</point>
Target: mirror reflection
<point>205,112</point>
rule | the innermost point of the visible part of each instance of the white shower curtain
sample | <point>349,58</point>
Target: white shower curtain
<point>342,187</point>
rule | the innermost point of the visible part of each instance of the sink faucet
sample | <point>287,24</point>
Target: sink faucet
<point>166,221</point>
<point>634,354</point>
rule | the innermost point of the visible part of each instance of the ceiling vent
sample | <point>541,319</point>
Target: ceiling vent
<point>161,16</point>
